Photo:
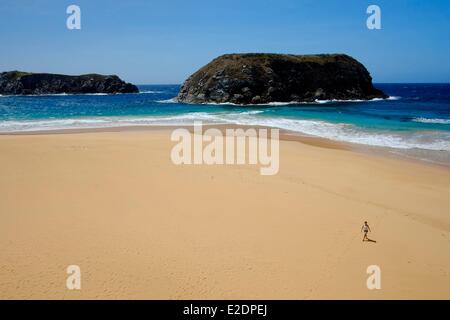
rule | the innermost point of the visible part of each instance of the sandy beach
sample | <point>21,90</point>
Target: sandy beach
<point>140,227</point>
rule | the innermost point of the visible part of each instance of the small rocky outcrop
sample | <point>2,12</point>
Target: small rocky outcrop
<point>256,78</point>
<point>24,83</point>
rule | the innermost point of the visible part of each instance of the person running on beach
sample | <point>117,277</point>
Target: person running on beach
<point>366,229</point>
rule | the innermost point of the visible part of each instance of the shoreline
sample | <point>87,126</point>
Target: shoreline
<point>286,135</point>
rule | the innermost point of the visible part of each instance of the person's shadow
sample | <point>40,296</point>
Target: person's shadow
<point>370,240</point>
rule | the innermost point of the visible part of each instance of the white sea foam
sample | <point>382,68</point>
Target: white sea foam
<point>274,103</point>
<point>279,103</point>
<point>283,103</point>
<point>150,91</point>
<point>99,122</point>
<point>70,94</point>
<point>250,112</point>
<point>356,100</point>
<point>171,100</point>
<point>432,120</point>
<point>428,140</point>
<point>350,133</point>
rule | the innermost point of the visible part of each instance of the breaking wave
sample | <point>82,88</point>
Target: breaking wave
<point>281,103</point>
<point>429,140</point>
<point>435,120</point>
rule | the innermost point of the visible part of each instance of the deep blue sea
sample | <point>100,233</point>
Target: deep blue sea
<point>416,116</point>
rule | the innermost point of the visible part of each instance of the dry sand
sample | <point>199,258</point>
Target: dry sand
<point>141,227</point>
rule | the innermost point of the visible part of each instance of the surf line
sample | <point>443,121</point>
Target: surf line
<point>228,149</point>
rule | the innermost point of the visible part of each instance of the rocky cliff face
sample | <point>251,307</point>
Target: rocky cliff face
<point>262,78</point>
<point>22,83</point>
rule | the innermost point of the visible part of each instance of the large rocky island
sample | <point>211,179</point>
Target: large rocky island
<point>256,78</point>
<point>24,83</point>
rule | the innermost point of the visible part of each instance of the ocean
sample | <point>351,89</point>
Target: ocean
<point>416,117</point>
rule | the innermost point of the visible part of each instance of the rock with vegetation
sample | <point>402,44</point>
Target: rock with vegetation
<point>256,78</point>
<point>24,83</point>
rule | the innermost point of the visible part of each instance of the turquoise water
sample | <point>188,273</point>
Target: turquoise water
<point>415,115</point>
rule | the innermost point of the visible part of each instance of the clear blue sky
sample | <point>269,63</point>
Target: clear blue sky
<point>163,41</point>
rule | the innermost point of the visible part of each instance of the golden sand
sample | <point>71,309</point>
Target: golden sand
<point>141,227</point>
